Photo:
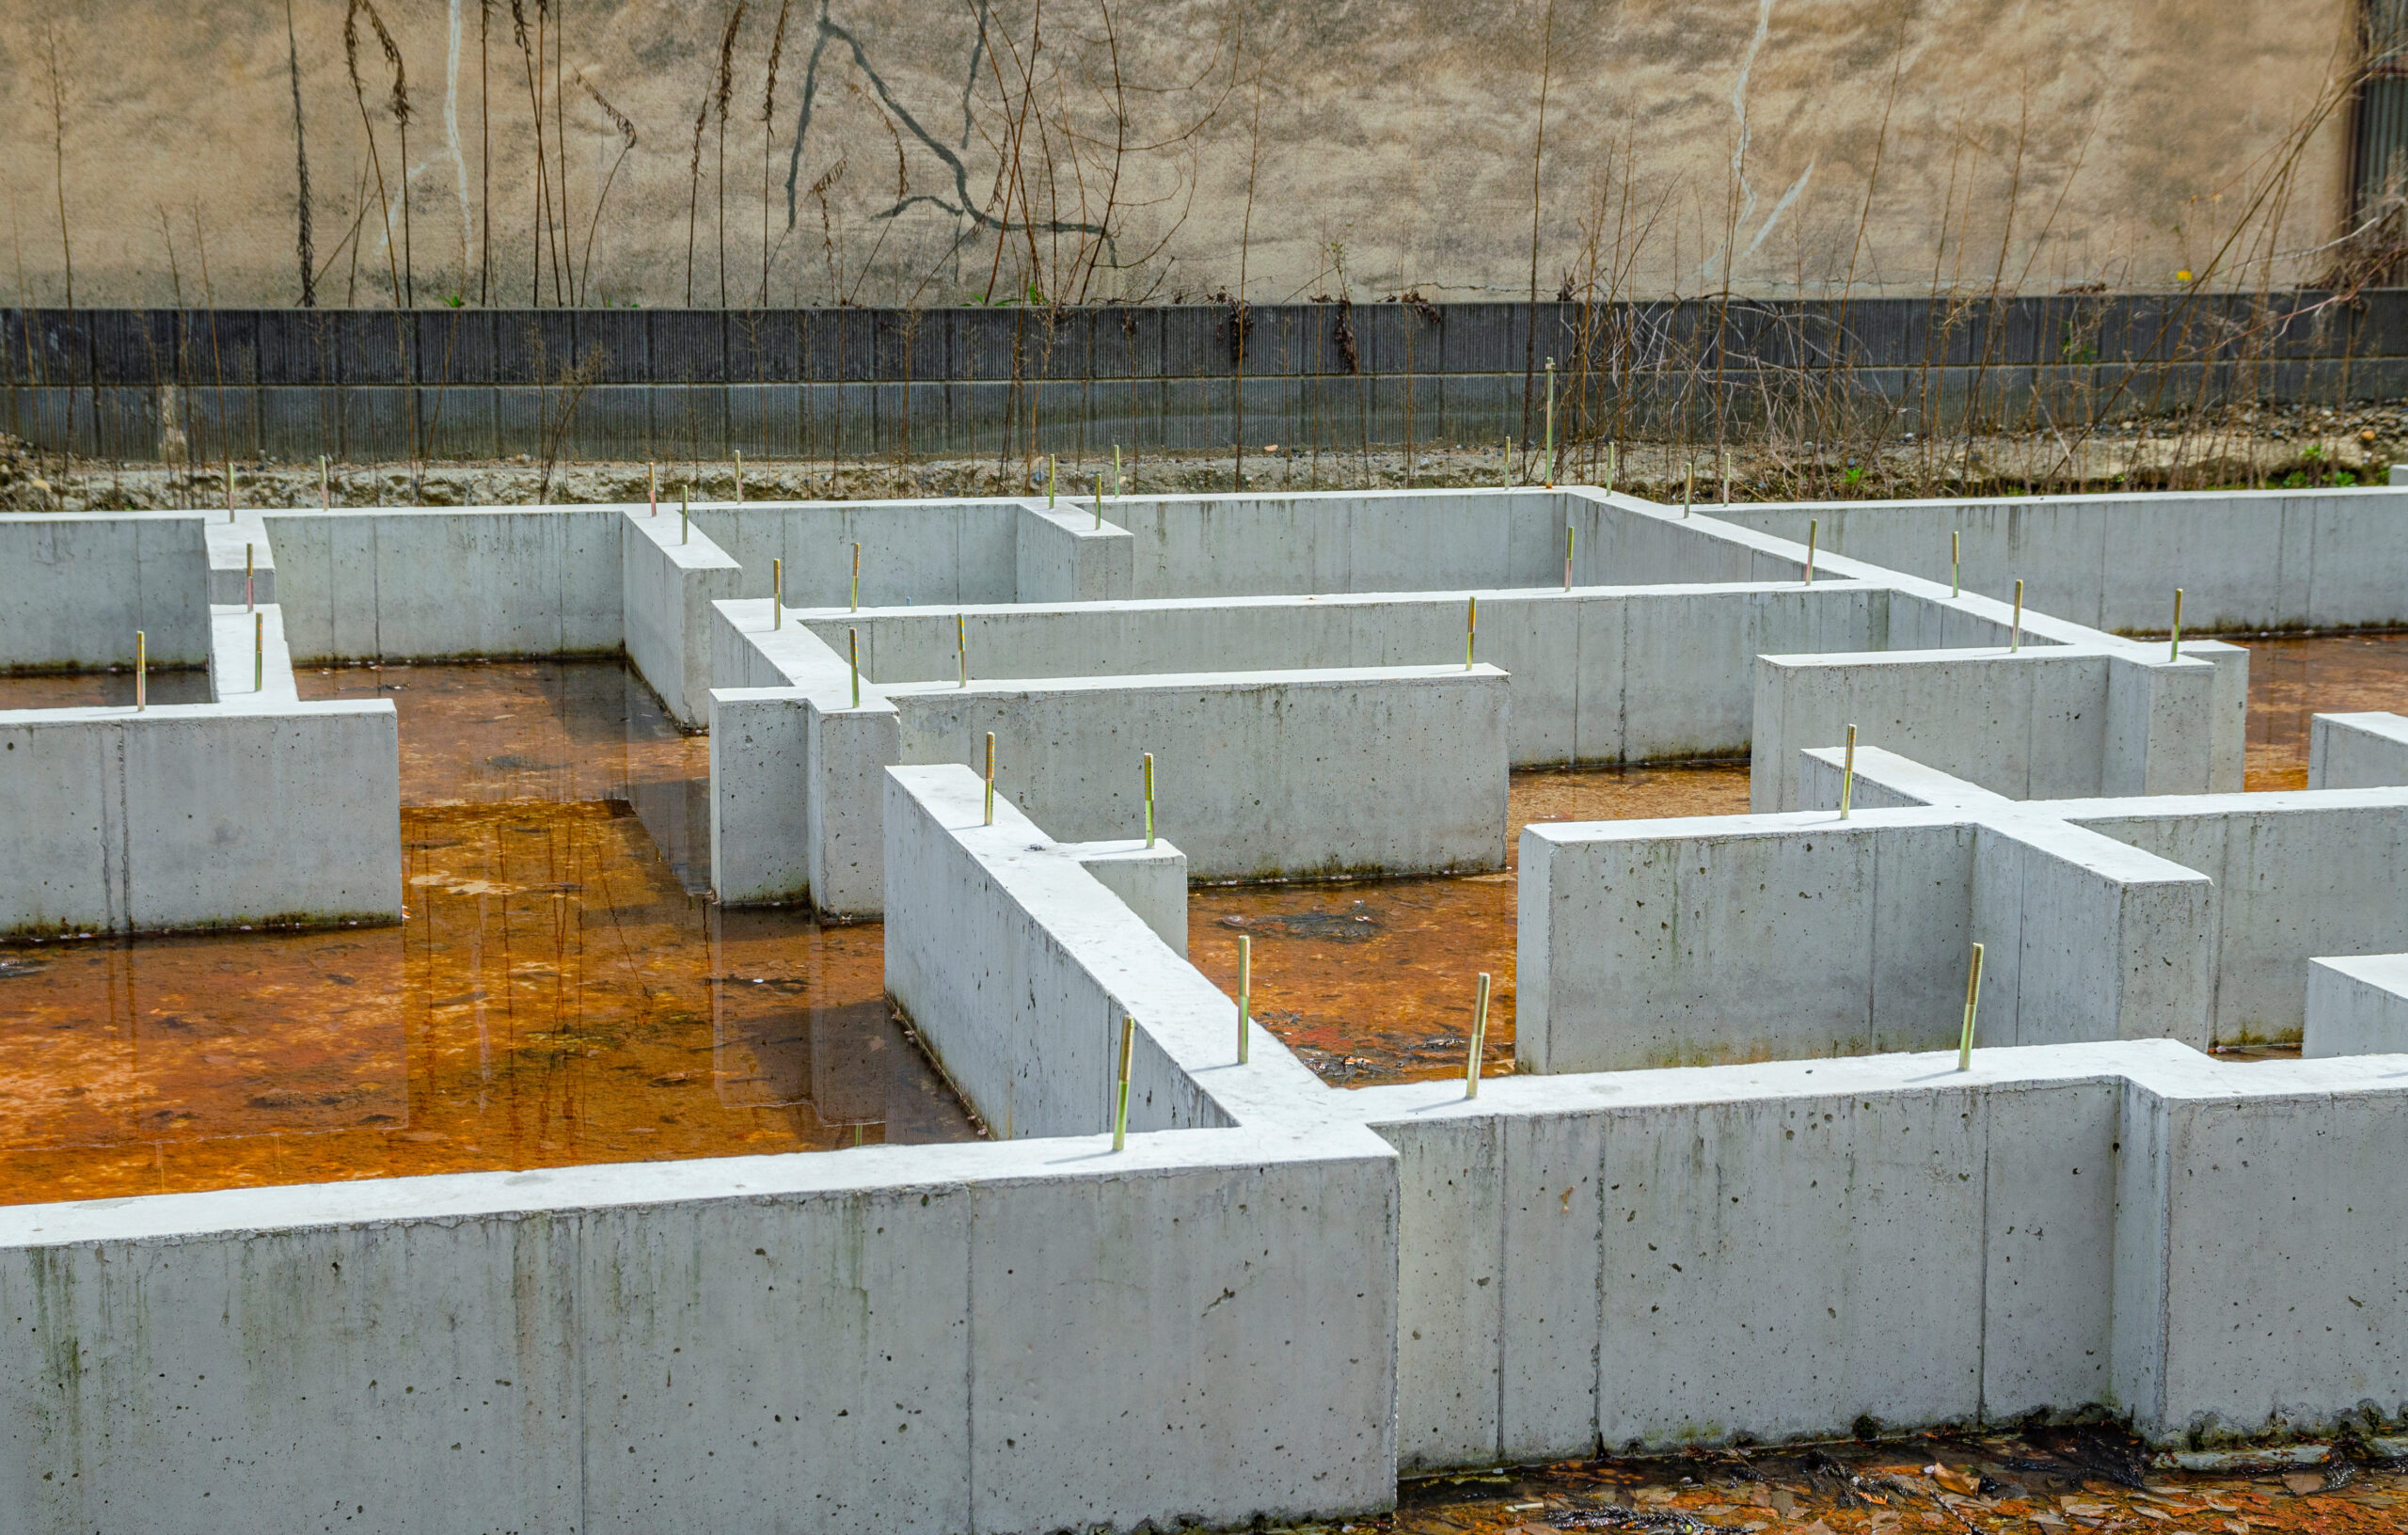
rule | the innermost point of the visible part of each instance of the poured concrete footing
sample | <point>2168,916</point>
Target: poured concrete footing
<point>1277,1296</point>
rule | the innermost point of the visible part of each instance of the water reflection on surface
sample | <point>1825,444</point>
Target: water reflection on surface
<point>555,996</point>
<point>559,994</point>
<point>561,731</point>
<point>2291,680</point>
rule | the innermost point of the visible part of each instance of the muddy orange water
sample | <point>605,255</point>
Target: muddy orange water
<point>558,994</point>
<point>2292,679</point>
<point>1372,981</point>
<point>555,996</point>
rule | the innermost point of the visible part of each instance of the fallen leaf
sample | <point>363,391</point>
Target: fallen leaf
<point>2304,1482</point>
<point>1965,1482</point>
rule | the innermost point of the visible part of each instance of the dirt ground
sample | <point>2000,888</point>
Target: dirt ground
<point>2294,446</point>
<point>2043,1481</point>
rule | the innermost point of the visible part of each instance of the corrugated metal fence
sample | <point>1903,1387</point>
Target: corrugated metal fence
<point>365,385</point>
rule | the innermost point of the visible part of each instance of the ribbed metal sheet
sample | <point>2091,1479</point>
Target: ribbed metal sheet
<point>2382,149</point>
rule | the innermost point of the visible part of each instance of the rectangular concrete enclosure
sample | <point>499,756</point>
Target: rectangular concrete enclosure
<point>1258,774</point>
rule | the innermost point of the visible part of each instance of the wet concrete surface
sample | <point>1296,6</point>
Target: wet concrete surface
<point>2291,680</point>
<point>1373,981</point>
<point>555,996</point>
<point>2041,1481</point>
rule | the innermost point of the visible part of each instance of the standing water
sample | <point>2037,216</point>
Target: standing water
<point>558,994</point>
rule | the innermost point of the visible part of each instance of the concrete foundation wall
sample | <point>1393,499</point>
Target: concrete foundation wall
<point>199,815</point>
<point>1149,880</point>
<point>671,575</point>
<point>250,661</point>
<point>1019,966</point>
<point>2356,1006</point>
<point>2289,877</point>
<point>680,1346</point>
<point>2045,723</point>
<point>950,551</point>
<point>1258,775</point>
<point>434,582</point>
<point>75,586</point>
<point>2243,1189</point>
<point>2356,750</point>
<point>1065,554</point>
<point>759,837</point>
<point>1374,541</point>
<point>2248,561</point>
<point>2084,940</point>
<point>1422,541</point>
<point>1599,674</point>
<point>1653,943</point>
<point>795,811</point>
<point>1639,944</point>
<point>2297,875</point>
<point>1751,1253</point>
<point>995,952</point>
<point>242,559</point>
<point>1747,1252</point>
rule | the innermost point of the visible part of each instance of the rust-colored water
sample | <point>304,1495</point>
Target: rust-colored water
<point>561,731</point>
<point>555,995</point>
<point>558,996</point>
<point>1372,981</point>
<point>521,730</point>
<point>2291,680</point>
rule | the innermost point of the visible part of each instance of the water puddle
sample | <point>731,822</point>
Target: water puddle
<point>557,994</point>
<point>2291,680</point>
<point>560,994</point>
<point>561,731</point>
<point>1373,981</point>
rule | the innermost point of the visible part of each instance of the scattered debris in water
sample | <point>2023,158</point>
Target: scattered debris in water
<point>1356,925</point>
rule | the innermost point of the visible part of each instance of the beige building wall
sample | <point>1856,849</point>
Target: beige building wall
<point>935,153</point>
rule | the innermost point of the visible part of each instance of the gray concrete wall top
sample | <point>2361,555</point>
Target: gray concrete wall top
<point>2248,561</point>
<point>2356,750</point>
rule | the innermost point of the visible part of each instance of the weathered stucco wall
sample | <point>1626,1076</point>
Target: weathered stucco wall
<point>1224,144</point>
